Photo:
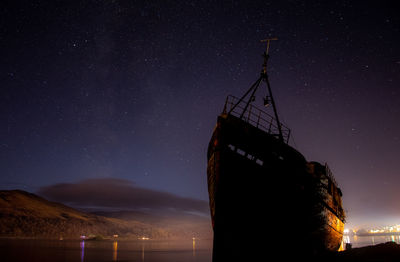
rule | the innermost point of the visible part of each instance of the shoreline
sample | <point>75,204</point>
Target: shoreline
<point>384,252</point>
<point>103,239</point>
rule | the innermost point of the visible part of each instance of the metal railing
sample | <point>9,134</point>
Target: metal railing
<point>256,117</point>
<point>329,174</point>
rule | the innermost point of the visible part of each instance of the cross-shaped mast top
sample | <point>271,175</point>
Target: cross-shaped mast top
<point>266,55</point>
<point>268,40</point>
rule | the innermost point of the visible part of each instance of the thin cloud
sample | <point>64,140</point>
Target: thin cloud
<point>119,193</point>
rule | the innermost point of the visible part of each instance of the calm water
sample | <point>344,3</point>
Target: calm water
<point>135,251</point>
<point>358,241</point>
<point>98,251</point>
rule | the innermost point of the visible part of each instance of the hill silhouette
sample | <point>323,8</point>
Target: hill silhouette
<point>23,214</point>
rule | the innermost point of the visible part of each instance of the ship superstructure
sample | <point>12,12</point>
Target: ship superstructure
<point>262,191</point>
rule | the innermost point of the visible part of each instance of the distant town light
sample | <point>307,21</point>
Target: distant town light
<point>143,238</point>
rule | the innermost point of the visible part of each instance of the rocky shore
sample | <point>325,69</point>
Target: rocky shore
<point>385,252</point>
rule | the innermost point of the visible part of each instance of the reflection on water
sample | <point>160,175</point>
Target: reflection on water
<point>142,252</point>
<point>115,251</point>
<point>194,247</point>
<point>190,250</point>
<point>361,241</point>
<point>82,244</point>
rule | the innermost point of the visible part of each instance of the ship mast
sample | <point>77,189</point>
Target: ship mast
<point>254,87</point>
<point>264,75</point>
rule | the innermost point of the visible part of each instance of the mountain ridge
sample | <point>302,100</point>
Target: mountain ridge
<point>24,214</point>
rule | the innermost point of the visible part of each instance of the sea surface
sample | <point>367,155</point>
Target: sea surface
<point>362,241</point>
<point>192,250</point>
<point>16,250</point>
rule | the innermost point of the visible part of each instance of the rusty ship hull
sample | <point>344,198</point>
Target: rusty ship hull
<point>265,197</point>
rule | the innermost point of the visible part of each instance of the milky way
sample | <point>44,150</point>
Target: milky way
<point>131,90</point>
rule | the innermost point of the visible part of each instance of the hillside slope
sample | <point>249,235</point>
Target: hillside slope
<point>185,225</point>
<point>23,214</point>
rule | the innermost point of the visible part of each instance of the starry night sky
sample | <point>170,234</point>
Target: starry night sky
<point>130,90</point>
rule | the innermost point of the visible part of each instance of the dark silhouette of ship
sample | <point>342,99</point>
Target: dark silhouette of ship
<point>265,198</point>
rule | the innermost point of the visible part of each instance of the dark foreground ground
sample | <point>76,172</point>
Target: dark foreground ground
<point>389,251</point>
